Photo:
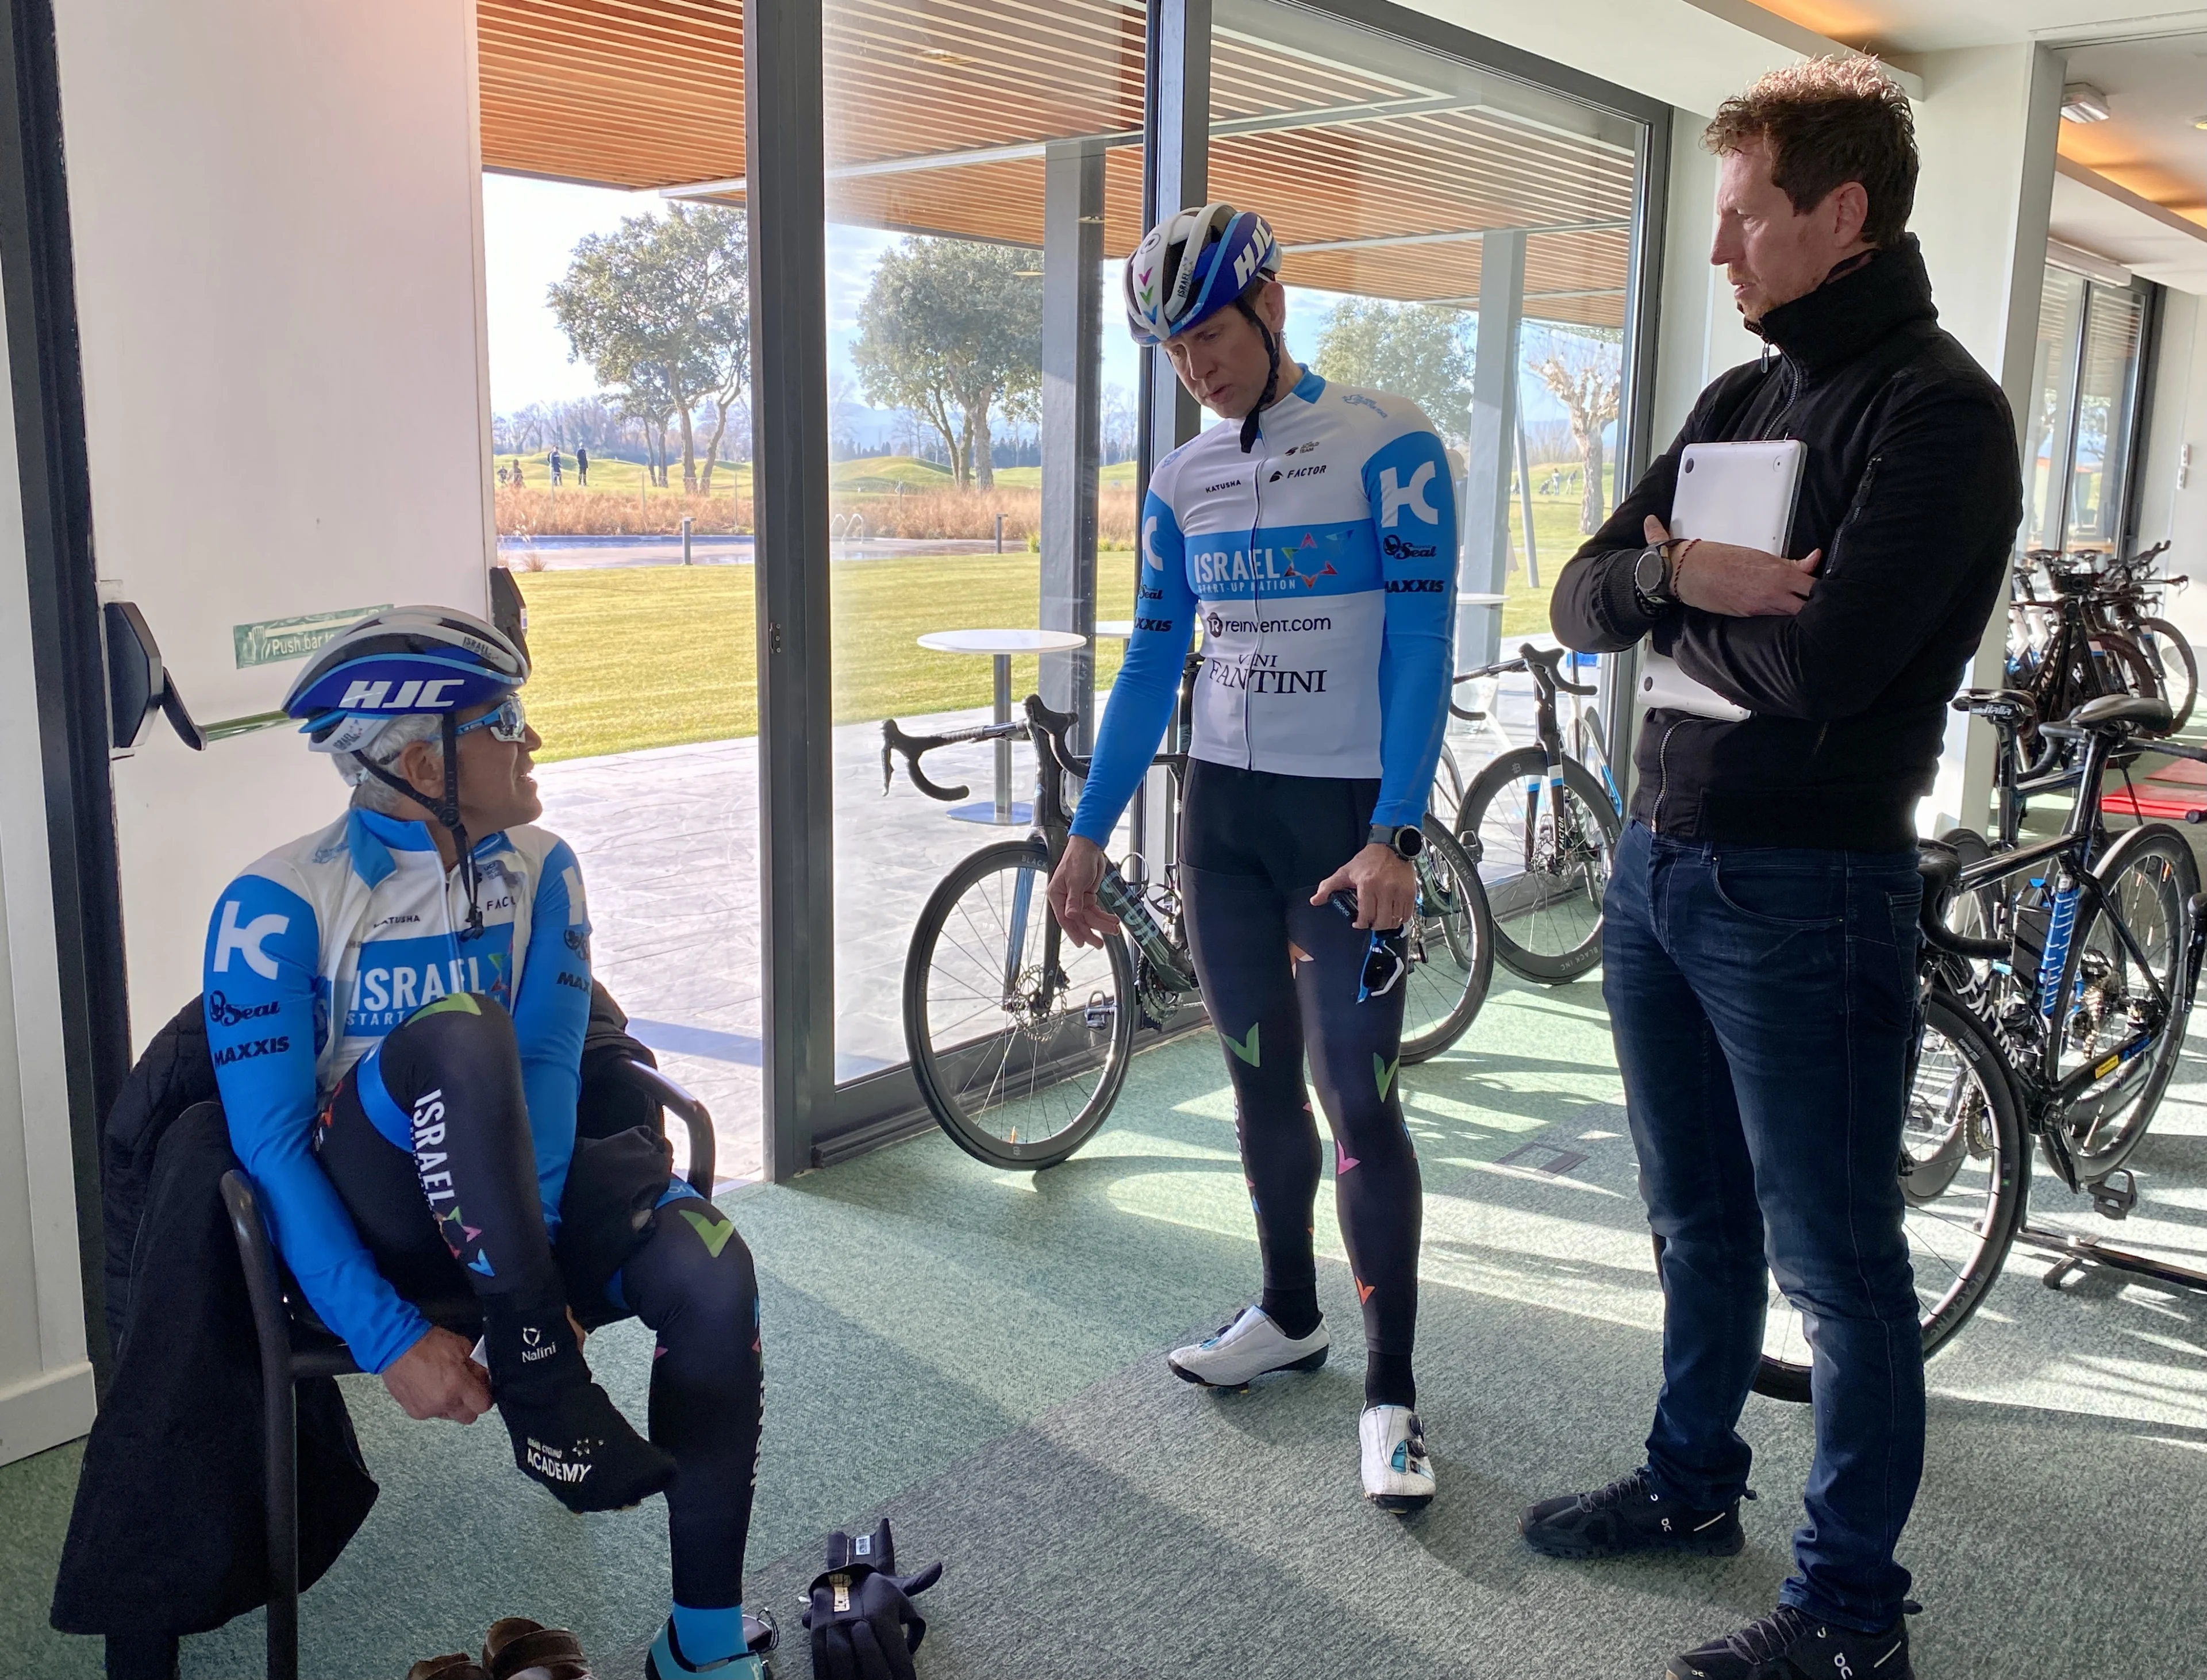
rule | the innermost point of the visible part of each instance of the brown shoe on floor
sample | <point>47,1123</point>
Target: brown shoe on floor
<point>457,1667</point>
<point>517,1648</point>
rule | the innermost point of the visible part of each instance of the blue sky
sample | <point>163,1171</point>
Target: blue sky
<point>530,229</point>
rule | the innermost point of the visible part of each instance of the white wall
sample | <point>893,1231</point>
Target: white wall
<point>1986,129</point>
<point>1698,330</point>
<point>46,1384</point>
<point>2179,417</point>
<point>275,209</point>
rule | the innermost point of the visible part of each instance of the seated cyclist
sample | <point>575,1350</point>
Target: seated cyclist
<point>1312,533</point>
<point>395,1006</point>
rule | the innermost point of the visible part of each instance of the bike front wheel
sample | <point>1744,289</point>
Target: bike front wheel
<point>1962,1179</point>
<point>1019,1038</point>
<point>2174,664</point>
<point>1452,938</point>
<point>1543,838</point>
<point>2147,877</point>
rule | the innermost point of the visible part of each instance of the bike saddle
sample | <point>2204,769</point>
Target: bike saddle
<point>2006,706</point>
<point>2112,709</point>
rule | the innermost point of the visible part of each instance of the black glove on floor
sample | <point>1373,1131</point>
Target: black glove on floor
<point>863,1626</point>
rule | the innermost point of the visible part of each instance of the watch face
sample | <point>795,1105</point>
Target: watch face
<point>1408,842</point>
<point>1647,573</point>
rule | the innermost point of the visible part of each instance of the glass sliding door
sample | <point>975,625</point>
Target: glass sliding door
<point>2082,432</point>
<point>1464,238</point>
<point>984,169</point>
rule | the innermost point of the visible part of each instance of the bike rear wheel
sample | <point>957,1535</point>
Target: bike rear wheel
<point>1962,1178</point>
<point>2173,662</point>
<point>1451,936</point>
<point>2148,877</point>
<point>1019,1038</point>
<point>1543,840</point>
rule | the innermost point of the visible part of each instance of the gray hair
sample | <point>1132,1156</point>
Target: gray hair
<point>395,737</point>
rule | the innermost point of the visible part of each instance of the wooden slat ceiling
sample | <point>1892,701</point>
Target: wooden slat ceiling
<point>647,93</point>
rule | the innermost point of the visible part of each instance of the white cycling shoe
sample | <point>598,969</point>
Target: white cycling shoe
<point>1398,1476</point>
<point>1248,1348</point>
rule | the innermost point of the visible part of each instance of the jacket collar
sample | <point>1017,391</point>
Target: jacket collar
<point>1847,315</point>
<point>371,837</point>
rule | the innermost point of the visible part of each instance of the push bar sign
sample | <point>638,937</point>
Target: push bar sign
<point>273,641</point>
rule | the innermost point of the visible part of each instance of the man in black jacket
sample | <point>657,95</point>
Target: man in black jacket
<point>1759,943</point>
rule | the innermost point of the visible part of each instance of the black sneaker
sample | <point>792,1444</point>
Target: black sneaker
<point>1790,1644</point>
<point>1630,1515</point>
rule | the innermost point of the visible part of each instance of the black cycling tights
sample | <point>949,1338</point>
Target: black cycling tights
<point>1280,977</point>
<point>692,1282</point>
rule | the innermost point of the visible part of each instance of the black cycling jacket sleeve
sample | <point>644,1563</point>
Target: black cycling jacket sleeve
<point>1940,490</point>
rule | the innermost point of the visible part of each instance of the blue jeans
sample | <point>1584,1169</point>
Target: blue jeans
<point>1763,1001</point>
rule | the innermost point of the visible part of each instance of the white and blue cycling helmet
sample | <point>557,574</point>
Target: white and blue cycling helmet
<point>1193,264</point>
<point>410,661</point>
<point>402,663</point>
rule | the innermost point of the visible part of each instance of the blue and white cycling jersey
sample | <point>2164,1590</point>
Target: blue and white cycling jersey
<point>316,952</point>
<point>1322,567</point>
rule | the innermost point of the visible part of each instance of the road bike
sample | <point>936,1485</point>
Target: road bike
<point>2054,1021</point>
<point>1543,829</point>
<point>2064,652</point>
<point>1021,1039</point>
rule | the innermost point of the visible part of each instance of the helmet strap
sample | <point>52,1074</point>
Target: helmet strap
<point>446,810</point>
<point>1272,374</point>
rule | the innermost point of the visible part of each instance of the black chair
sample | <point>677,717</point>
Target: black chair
<point>295,1346</point>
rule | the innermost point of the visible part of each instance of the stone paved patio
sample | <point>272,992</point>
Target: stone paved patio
<point>668,839</point>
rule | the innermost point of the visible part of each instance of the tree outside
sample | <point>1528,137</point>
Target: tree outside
<point>661,311</point>
<point>1583,370</point>
<point>951,332</point>
<point>1418,351</point>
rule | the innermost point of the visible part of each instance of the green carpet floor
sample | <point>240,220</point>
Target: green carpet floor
<point>977,1355</point>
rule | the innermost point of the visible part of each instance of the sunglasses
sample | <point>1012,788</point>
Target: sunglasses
<point>1386,958</point>
<point>508,723</point>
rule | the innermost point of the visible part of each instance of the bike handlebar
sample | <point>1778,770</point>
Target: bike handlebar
<point>1940,869</point>
<point>895,740</point>
<point>1528,658</point>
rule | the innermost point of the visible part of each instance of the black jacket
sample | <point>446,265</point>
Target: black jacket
<point>168,1532</point>
<point>1912,490</point>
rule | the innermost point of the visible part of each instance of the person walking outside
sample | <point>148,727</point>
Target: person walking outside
<point>582,467</point>
<point>1312,532</point>
<point>1759,942</point>
<point>555,466</point>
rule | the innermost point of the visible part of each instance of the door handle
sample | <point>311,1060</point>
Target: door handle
<point>139,682</point>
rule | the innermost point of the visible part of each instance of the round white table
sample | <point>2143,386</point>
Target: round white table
<point>1001,645</point>
<point>1117,629</point>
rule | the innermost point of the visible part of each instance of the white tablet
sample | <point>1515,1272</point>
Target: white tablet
<point>1739,492</point>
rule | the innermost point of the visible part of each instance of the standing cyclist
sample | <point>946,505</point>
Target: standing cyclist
<point>1313,530</point>
<point>396,1005</point>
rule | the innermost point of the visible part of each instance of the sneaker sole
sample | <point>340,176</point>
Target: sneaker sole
<point>1307,1362</point>
<point>1729,1545</point>
<point>1401,1504</point>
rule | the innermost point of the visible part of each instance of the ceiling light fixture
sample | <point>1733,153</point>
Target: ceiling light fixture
<point>2199,122</point>
<point>2081,102</point>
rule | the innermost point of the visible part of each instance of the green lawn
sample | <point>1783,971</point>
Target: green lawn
<point>644,656</point>
<point>650,656</point>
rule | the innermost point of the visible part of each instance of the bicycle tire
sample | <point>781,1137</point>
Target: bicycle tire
<point>1508,845</point>
<point>1475,963</point>
<point>2170,653</point>
<point>2161,858</point>
<point>1979,1059</point>
<point>1052,1041</point>
<point>2132,674</point>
